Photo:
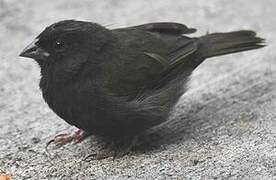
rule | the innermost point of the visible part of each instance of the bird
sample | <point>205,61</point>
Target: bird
<point>118,83</point>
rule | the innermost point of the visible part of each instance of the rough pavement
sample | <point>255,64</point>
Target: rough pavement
<point>223,127</point>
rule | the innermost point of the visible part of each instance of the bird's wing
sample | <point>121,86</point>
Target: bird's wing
<point>147,58</point>
<point>165,28</point>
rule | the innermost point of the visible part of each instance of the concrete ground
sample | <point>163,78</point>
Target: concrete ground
<point>224,127</point>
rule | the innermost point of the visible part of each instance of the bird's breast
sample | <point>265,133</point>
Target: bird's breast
<point>79,104</point>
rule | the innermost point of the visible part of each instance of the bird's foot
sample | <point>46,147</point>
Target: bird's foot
<point>114,149</point>
<point>66,138</point>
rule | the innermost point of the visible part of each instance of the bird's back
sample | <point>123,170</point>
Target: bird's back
<point>148,59</point>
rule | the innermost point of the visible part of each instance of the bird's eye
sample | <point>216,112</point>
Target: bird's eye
<point>59,46</point>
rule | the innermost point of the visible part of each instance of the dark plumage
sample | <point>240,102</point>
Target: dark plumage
<point>118,83</point>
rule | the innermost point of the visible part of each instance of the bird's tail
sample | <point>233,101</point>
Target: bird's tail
<point>225,43</point>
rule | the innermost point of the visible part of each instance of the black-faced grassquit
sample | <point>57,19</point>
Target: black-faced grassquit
<point>118,83</point>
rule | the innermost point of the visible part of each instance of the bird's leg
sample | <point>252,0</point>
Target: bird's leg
<point>66,138</point>
<point>123,148</point>
<point>115,149</point>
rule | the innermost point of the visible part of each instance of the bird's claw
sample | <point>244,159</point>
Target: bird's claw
<point>114,149</point>
<point>106,154</point>
<point>65,138</point>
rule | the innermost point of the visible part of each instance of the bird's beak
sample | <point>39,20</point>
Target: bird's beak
<point>34,52</point>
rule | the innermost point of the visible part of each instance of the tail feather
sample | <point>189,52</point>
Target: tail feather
<point>225,43</point>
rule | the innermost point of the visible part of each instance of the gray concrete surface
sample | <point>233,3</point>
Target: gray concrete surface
<point>223,128</point>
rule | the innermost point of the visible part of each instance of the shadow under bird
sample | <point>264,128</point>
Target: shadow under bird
<point>118,83</point>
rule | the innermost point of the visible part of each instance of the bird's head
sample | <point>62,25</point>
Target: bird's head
<point>66,45</point>
<point>65,40</point>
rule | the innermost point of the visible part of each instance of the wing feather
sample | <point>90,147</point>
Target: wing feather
<point>166,28</point>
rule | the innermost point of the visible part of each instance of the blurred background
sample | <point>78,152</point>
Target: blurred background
<point>224,126</point>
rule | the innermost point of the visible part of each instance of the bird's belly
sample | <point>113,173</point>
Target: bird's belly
<point>85,112</point>
<point>93,112</point>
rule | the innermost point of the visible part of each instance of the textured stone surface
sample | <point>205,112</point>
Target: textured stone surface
<point>223,127</point>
